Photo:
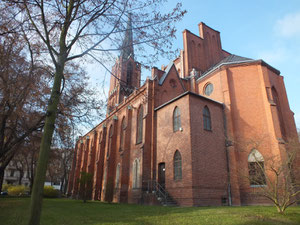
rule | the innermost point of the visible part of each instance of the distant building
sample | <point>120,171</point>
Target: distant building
<point>19,172</point>
<point>12,175</point>
<point>180,135</point>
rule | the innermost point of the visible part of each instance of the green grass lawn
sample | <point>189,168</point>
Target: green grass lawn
<point>14,211</point>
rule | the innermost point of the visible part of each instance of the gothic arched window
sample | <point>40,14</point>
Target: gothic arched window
<point>177,166</point>
<point>176,119</point>
<point>140,114</point>
<point>111,132</point>
<point>206,119</point>
<point>129,74</point>
<point>135,173</point>
<point>117,175</point>
<point>279,112</point>
<point>104,179</point>
<point>256,168</point>
<point>122,134</point>
<point>99,147</point>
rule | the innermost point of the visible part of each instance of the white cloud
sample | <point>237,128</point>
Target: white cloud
<point>274,55</point>
<point>289,25</point>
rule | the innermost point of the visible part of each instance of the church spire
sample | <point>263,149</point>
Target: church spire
<point>127,46</point>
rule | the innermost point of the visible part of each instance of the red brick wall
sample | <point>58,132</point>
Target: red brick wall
<point>204,179</point>
<point>252,119</point>
<point>208,153</point>
<point>201,52</point>
<point>249,119</point>
<point>168,142</point>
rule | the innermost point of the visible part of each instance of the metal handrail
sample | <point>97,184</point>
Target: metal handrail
<point>153,185</point>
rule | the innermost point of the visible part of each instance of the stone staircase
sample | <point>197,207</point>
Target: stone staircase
<point>161,194</point>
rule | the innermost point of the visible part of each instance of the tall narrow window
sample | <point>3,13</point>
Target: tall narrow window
<point>135,174</point>
<point>122,134</point>
<point>99,147</point>
<point>109,141</point>
<point>279,112</point>
<point>129,74</point>
<point>139,136</point>
<point>206,119</point>
<point>117,175</point>
<point>176,119</point>
<point>177,166</point>
<point>104,179</point>
<point>256,168</point>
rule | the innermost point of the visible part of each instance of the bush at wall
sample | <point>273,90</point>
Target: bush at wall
<point>6,186</point>
<point>18,190</point>
<point>50,192</point>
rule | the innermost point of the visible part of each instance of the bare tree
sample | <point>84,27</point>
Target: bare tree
<point>275,177</point>
<point>65,155</point>
<point>21,101</point>
<point>24,92</point>
<point>69,30</point>
<point>20,167</point>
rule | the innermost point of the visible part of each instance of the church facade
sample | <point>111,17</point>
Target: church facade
<point>190,133</point>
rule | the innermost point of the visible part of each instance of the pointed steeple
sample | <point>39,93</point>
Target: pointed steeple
<point>127,46</point>
<point>127,72</point>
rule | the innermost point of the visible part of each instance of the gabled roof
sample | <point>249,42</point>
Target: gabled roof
<point>166,73</point>
<point>235,59</point>
<point>232,59</point>
<point>188,93</point>
<point>164,76</point>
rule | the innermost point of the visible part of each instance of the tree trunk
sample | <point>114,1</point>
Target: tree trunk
<point>66,181</point>
<point>30,177</point>
<point>62,183</point>
<point>40,174</point>
<point>21,173</point>
<point>280,209</point>
<point>32,172</point>
<point>4,163</point>
<point>1,177</point>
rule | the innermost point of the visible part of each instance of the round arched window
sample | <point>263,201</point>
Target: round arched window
<point>208,89</point>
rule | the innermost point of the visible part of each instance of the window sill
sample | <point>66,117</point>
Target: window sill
<point>179,130</point>
<point>177,180</point>
<point>136,189</point>
<point>139,143</point>
<point>257,185</point>
<point>207,130</point>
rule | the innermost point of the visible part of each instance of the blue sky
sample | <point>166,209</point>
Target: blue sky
<point>258,29</point>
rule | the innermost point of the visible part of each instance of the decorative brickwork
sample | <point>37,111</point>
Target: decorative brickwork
<point>224,101</point>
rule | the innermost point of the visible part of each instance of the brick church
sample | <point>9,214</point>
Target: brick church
<point>190,134</point>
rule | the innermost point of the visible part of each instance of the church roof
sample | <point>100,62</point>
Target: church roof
<point>127,46</point>
<point>232,59</point>
<point>162,79</point>
<point>166,73</point>
<point>235,59</point>
<point>188,93</point>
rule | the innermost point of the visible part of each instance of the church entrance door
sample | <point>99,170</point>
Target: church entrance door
<point>161,174</point>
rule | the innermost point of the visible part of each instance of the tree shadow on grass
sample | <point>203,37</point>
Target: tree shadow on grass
<point>95,213</point>
<point>75,212</point>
